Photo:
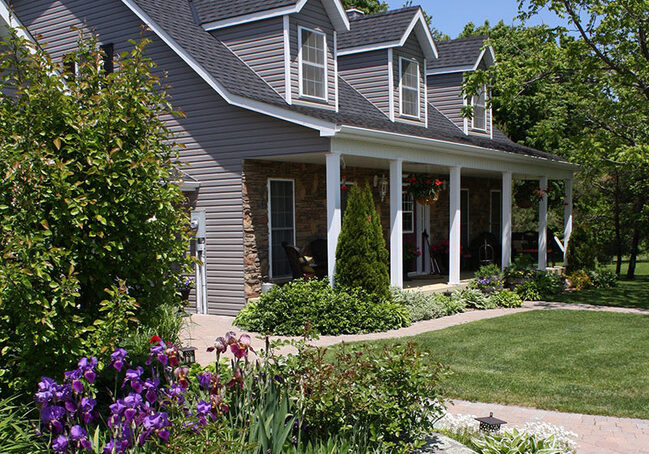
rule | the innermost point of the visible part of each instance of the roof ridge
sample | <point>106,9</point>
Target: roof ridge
<point>385,13</point>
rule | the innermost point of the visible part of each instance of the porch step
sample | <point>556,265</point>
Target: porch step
<point>435,287</point>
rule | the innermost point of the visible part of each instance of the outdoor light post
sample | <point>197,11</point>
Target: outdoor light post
<point>489,423</point>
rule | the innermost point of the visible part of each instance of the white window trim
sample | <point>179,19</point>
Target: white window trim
<point>412,214</point>
<point>484,88</point>
<point>270,226</point>
<point>418,116</point>
<point>491,211</point>
<point>299,60</point>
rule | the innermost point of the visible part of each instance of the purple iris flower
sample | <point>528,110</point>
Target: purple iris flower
<point>77,386</point>
<point>77,433</point>
<point>52,417</point>
<point>46,389</point>
<point>117,358</point>
<point>60,444</point>
<point>86,407</point>
<point>204,379</point>
<point>133,376</point>
<point>151,386</point>
<point>158,351</point>
<point>203,407</point>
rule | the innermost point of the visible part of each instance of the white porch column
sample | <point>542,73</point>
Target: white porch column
<point>334,220</point>
<point>543,224</point>
<point>396,223</point>
<point>455,227</point>
<point>506,239</point>
<point>567,220</point>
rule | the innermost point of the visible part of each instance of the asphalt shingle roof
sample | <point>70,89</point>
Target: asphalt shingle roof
<point>176,19</point>
<point>458,52</point>
<point>377,28</point>
<point>214,10</point>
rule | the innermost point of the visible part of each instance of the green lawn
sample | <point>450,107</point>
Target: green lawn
<point>627,294</point>
<point>574,361</point>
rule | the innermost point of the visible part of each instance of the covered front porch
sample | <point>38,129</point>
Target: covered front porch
<point>476,203</point>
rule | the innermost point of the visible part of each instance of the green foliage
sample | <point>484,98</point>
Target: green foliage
<point>541,286</point>
<point>579,280</point>
<point>472,298</point>
<point>425,307</point>
<point>367,6</point>
<point>603,278</point>
<point>506,298</point>
<point>361,256</point>
<point>314,305</point>
<point>515,442</point>
<point>389,396</point>
<point>86,201</point>
<point>581,249</point>
<point>17,434</point>
<point>488,271</point>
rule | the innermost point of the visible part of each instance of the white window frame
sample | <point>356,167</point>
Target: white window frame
<point>270,226</point>
<point>411,212</point>
<point>299,59</point>
<point>418,116</point>
<point>473,104</point>
<point>491,211</point>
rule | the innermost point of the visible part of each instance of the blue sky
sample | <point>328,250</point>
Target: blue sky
<point>451,16</point>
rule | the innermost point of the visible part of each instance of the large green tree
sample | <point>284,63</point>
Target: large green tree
<point>92,228</point>
<point>367,6</point>
<point>555,91</point>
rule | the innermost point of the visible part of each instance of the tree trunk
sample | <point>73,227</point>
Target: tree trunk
<point>630,273</point>
<point>618,234</point>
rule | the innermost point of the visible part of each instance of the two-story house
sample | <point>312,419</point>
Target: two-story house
<point>287,102</point>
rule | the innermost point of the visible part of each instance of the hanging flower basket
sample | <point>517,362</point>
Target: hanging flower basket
<point>528,194</point>
<point>428,199</point>
<point>423,188</point>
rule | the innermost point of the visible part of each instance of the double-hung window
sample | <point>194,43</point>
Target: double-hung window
<point>281,207</point>
<point>408,213</point>
<point>409,76</point>
<point>479,103</point>
<point>313,63</point>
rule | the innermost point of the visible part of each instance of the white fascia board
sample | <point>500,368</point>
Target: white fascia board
<point>449,70</point>
<point>326,128</point>
<point>337,14</point>
<point>465,155</point>
<point>9,18</point>
<point>369,48</point>
<point>252,17</point>
<point>423,34</point>
<point>486,52</point>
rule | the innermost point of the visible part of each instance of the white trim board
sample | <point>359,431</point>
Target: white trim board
<point>334,8</point>
<point>325,80</point>
<point>401,114</point>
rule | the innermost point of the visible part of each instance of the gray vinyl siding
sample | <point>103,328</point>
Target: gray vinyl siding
<point>445,93</point>
<point>217,136</point>
<point>312,16</point>
<point>368,73</point>
<point>261,45</point>
<point>411,50</point>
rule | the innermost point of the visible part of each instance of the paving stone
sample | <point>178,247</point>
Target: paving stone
<point>440,444</point>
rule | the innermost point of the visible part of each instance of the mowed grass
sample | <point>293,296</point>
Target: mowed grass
<point>633,293</point>
<point>571,361</point>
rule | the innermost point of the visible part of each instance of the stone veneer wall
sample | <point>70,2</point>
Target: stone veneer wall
<point>311,209</point>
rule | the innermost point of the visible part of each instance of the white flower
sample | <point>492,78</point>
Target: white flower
<point>152,219</point>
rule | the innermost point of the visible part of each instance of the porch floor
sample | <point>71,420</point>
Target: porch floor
<point>436,284</point>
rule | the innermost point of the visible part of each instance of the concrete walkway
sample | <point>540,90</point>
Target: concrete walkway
<point>203,329</point>
<point>596,434</point>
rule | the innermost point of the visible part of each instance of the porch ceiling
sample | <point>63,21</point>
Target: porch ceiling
<point>376,163</point>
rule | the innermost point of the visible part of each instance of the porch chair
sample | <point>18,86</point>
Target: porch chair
<point>300,266</point>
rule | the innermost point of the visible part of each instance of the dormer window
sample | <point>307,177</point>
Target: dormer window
<point>313,67</point>
<point>409,77</point>
<point>479,103</point>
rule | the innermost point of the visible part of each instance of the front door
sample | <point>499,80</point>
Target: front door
<point>409,210</point>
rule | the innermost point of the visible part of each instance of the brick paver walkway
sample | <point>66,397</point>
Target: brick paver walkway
<point>596,434</point>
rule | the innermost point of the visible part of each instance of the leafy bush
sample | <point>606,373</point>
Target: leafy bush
<point>580,280</point>
<point>506,298</point>
<point>90,205</point>
<point>488,279</point>
<point>389,395</point>
<point>541,286</point>
<point>361,257</point>
<point>422,306</point>
<point>603,278</point>
<point>288,309</point>
<point>472,298</point>
<point>488,271</point>
<point>514,441</point>
<point>16,433</point>
<point>582,251</point>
